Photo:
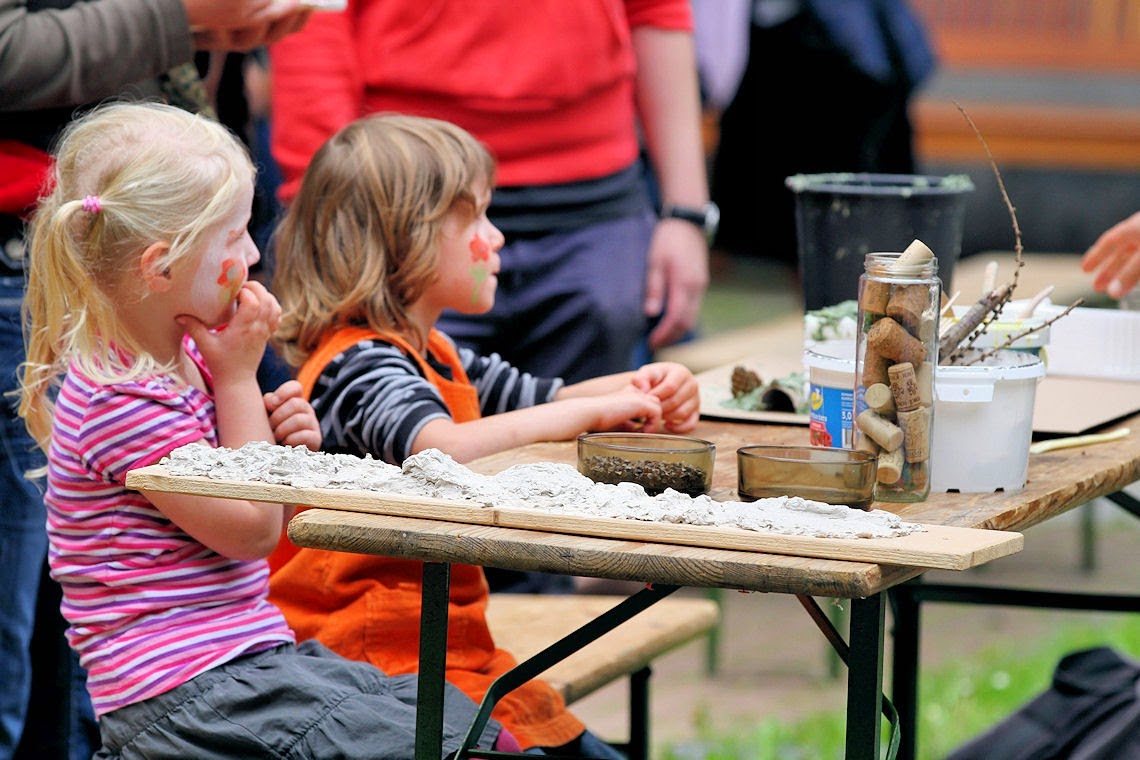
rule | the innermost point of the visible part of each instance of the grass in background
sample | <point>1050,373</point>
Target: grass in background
<point>956,702</point>
<point>744,292</point>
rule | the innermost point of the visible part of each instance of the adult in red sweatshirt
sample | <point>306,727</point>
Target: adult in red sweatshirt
<point>596,271</point>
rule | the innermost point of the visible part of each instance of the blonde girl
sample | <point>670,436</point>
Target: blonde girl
<point>144,334</point>
<point>388,230</point>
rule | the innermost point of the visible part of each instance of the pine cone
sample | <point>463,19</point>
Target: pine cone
<point>744,381</point>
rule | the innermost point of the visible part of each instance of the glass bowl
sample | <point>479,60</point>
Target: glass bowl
<point>655,462</point>
<point>833,476</point>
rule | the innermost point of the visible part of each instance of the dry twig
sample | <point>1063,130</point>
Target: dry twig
<point>961,336</point>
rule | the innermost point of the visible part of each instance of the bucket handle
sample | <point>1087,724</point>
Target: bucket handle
<point>969,393</point>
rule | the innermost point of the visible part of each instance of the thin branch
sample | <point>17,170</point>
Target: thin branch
<point>1001,186</point>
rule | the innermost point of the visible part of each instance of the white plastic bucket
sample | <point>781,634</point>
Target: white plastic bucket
<point>831,392</point>
<point>983,424</point>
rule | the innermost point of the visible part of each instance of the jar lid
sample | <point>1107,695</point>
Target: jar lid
<point>891,264</point>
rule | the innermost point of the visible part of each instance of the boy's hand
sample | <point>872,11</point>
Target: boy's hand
<point>628,409</point>
<point>292,418</point>
<point>677,390</point>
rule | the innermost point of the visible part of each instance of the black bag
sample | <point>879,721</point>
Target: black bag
<point>1091,711</point>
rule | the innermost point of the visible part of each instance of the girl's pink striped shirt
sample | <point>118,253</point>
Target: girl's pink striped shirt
<point>149,607</point>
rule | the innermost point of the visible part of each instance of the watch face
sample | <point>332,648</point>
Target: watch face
<point>712,219</point>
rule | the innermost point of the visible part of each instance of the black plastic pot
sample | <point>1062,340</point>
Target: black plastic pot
<point>840,218</point>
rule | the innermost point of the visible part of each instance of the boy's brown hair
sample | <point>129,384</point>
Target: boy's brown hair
<point>359,243</point>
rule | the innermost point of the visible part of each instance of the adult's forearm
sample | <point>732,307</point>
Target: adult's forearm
<point>91,50</point>
<point>668,103</point>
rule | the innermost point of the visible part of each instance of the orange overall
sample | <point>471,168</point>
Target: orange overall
<point>368,608</point>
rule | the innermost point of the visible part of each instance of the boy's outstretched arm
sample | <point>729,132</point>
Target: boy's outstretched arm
<point>624,409</point>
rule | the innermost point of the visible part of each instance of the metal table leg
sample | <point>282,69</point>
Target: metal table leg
<point>1126,502</point>
<point>864,660</point>
<point>433,658</point>
<point>904,665</point>
<point>865,678</point>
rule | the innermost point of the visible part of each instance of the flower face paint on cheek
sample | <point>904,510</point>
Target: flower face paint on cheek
<point>234,272</point>
<point>480,258</point>
<point>480,249</point>
<point>217,284</point>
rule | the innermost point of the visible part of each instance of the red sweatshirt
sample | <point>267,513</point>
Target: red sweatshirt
<point>548,85</point>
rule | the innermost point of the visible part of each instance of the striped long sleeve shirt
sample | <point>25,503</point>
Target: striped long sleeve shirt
<point>373,397</point>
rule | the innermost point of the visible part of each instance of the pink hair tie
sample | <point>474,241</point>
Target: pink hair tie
<point>92,205</point>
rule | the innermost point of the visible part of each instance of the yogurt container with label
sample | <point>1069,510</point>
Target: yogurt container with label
<point>831,392</point>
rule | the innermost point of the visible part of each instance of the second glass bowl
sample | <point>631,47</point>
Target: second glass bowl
<point>830,475</point>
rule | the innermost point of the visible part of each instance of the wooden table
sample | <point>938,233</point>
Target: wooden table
<point>1058,481</point>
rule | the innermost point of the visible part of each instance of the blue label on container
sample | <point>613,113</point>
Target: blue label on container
<point>830,416</point>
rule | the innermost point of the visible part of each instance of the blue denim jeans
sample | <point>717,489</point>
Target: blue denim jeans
<point>23,554</point>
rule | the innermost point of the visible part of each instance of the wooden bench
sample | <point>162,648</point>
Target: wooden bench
<point>525,624</point>
<point>1031,39</point>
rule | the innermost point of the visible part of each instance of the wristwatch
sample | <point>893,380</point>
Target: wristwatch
<point>707,218</point>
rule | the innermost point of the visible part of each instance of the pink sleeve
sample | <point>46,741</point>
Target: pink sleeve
<point>317,89</point>
<point>133,426</point>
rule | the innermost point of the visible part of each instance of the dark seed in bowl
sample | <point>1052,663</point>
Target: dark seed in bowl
<point>652,475</point>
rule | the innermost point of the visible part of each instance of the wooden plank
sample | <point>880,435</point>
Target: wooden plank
<point>672,564</point>
<point>156,478</point>
<point>942,547</point>
<point>525,624</point>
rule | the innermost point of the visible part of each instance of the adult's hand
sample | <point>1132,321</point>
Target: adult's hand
<point>1115,257</point>
<point>676,280</point>
<point>243,24</point>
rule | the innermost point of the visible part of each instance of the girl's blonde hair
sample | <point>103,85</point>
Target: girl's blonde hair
<point>359,243</point>
<point>125,176</point>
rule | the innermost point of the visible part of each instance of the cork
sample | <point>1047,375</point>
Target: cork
<point>915,425</point>
<point>879,397</point>
<point>874,296</point>
<point>925,375</point>
<point>890,466</point>
<point>874,369</point>
<point>882,431</point>
<point>904,387</point>
<point>916,253</point>
<point>891,340</point>
<point>907,305</point>
<point>867,443</point>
